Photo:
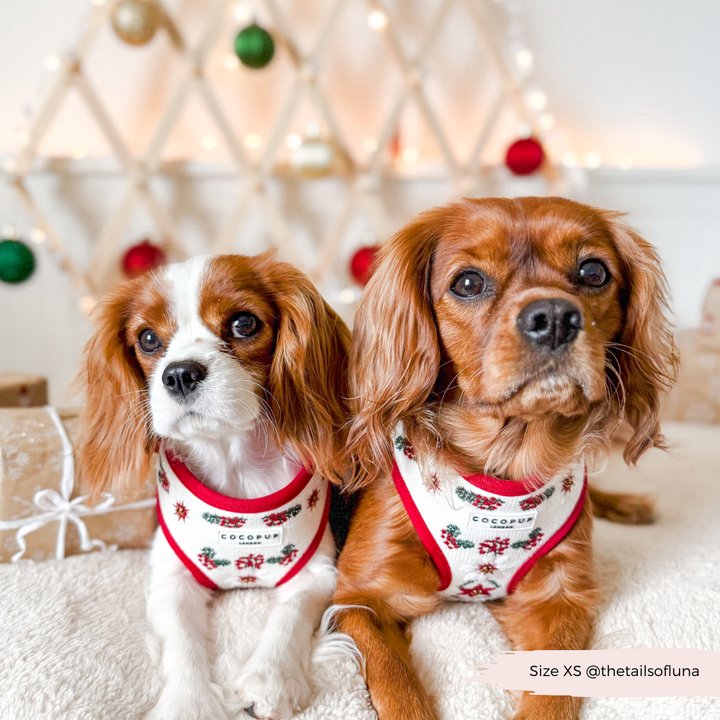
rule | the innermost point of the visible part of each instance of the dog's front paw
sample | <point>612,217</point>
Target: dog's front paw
<point>188,704</point>
<point>272,692</point>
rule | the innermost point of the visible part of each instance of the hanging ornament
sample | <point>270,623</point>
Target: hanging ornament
<point>395,145</point>
<point>524,156</point>
<point>254,46</point>
<point>314,157</point>
<point>361,263</point>
<point>137,21</point>
<point>142,257</point>
<point>17,261</point>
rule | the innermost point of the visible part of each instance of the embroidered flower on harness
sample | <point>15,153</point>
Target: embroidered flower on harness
<point>248,578</point>
<point>249,561</point>
<point>181,511</point>
<point>487,568</point>
<point>224,521</point>
<point>432,484</point>
<point>289,553</point>
<point>481,502</point>
<point>535,500</point>
<point>313,499</point>
<point>567,483</point>
<point>280,518</point>
<point>497,546</point>
<point>450,536</point>
<point>533,539</point>
<point>402,443</point>
<point>476,590</point>
<point>207,557</point>
<point>163,478</point>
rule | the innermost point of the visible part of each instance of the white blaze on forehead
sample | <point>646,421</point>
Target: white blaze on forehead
<point>186,281</point>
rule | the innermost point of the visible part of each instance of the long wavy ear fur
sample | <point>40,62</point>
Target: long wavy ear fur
<point>644,353</point>
<point>308,375</point>
<point>395,353</point>
<point>114,448</point>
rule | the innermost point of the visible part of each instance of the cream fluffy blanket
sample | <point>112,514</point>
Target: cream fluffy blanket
<point>72,632</point>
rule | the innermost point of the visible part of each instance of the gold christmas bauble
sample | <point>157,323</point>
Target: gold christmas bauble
<point>136,21</point>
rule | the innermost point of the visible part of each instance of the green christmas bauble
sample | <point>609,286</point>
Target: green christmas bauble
<point>17,261</point>
<point>254,46</point>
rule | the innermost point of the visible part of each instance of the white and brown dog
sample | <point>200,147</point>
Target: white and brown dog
<point>235,366</point>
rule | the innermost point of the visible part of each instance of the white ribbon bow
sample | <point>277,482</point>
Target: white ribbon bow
<point>58,507</point>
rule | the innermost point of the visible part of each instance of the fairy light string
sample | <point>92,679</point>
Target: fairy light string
<point>254,156</point>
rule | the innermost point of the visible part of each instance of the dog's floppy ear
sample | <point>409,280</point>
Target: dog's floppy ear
<point>644,353</point>
<point>114,447</point>
<point>395,352</point>
<point>308,374</point>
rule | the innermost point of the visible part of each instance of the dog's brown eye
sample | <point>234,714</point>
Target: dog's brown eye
<point>593,273</point>
<point>149,341</point>
<point>244,325</point>
<point>469,284</point>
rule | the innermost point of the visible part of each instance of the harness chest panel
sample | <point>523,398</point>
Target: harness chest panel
<point>484,533</point>
<point>228,542</point>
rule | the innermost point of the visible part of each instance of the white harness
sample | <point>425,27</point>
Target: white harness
<point>484,533</point>
<point>228,542</point>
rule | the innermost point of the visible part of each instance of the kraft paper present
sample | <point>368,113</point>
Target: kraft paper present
<point>20,390</point>
<point>42,502</point>
<point>696,396</point>
<point>709,336</point>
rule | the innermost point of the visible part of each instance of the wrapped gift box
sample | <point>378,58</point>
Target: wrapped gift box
<point>19,390</point>
<point>43,506</point>
<point>709,336</point>
<point>696,396</point>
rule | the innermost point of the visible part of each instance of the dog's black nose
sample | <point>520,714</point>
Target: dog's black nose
<point>552,323</point>
<point>181,379</point>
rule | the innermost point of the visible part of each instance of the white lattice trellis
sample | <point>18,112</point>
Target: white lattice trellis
<point>364,178</point>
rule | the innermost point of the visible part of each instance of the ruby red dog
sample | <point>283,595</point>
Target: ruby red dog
<point>497,345</point>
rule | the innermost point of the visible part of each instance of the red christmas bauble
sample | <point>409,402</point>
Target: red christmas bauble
<point>361,263</point>
<point>525,156</point>
<point>142,257</point>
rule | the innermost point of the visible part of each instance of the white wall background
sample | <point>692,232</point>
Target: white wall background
<point>632,80</point>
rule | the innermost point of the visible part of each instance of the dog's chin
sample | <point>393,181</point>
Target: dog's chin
<point>547,393</point>
<point>189,424</point>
